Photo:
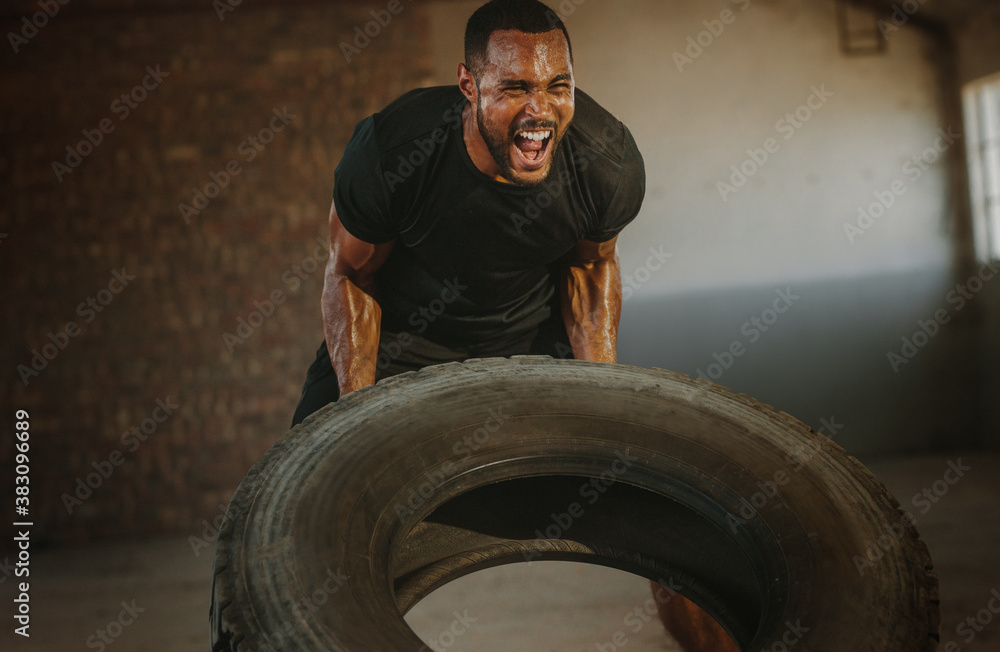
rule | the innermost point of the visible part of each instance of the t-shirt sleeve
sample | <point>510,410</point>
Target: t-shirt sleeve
<point>359,193</point>
<point>627,198</point>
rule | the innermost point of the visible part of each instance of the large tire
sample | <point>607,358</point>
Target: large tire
<point>406,485</point>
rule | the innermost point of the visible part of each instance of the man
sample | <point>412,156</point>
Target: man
<point>480,220</point>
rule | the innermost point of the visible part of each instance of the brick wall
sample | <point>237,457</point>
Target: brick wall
<point>143,385</point>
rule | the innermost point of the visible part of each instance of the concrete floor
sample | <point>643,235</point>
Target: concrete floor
<point>539,606</point>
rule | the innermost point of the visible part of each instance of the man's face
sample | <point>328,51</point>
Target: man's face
<point>525,102</point>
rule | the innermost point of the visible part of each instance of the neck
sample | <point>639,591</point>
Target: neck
<point>476,146</point>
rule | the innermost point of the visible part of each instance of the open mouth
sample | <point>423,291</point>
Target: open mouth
<point>533,147</point>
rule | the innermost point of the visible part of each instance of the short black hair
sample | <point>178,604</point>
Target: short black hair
<point>528,16</point>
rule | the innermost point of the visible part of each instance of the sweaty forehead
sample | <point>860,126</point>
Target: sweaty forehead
<point>511,54</point>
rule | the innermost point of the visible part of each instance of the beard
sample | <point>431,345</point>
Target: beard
<point>499,140</point>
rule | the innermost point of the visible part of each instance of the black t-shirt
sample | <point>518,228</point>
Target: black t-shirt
<point>475,259</point>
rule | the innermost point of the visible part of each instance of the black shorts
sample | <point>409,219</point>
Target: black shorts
<point>402,352</point>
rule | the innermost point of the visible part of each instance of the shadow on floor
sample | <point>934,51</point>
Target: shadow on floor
<point>163,586</point>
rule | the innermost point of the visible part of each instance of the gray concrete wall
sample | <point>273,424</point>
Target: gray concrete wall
<point>733,248</point>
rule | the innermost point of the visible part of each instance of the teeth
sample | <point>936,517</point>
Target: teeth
<point>535,135</point>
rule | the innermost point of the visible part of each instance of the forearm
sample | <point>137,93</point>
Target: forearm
<point>591,309</point>
<point>351,318</point>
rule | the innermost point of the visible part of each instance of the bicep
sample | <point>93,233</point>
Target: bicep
<point>351,256</point>
<point>588,252</point>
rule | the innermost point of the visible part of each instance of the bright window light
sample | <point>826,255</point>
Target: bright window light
<point>982,117</point>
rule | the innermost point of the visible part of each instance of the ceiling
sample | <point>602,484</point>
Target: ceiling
<point>959,10</point>
<point>955,13</point>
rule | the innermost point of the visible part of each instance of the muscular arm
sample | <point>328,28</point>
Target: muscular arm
<point>351,315</point>
<point>591,292</point>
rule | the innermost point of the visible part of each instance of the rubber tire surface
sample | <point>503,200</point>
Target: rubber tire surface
<point>403,486</point>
